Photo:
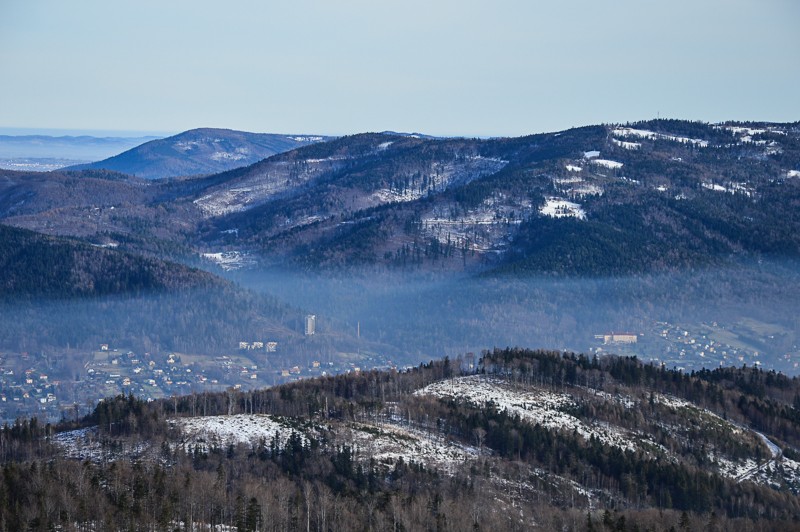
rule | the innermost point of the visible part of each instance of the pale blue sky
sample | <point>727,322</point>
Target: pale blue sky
<point>447,67</point>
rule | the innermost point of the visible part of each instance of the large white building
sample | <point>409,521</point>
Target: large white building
<point>311,324</point>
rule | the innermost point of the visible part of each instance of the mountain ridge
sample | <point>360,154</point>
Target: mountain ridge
<point>199,151</point>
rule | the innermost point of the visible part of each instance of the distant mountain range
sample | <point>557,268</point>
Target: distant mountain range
<point>598,200</point>
<point>199,151</point>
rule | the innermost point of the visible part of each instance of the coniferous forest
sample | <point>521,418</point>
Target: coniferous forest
<point>146,471</point>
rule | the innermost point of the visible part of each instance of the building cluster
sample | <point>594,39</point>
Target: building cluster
<point>36,386</point>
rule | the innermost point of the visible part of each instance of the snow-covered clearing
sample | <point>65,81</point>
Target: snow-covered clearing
<point>560,208</point>
<point>84,444</point>
<point>652,135</point>
<point>230,260</point>
<point>591,154</point>
<point>607,163</point>
<point>746,131</point>
<point>234,429</point>
<point>793,173</point>
<point>567,180</point>
<point>573,168</point>
<point>548,409</point>
<point>389,443</point>
<point>627,145</point>
<point>732,188</point>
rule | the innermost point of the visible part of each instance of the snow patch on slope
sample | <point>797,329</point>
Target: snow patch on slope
<point>230,260</point>
<point>389,443</point>
<point>627,145</point>
<point>607,163</point>
<point>234,429</point>
<point>652,135</point>
<point>548,409</point>
<point>561,208</point>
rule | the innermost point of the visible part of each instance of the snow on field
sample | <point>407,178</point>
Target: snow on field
<point>384,145</point>
<point>388,443</point>
<point>652,135</point>
<point>607,163</point>
<point>306,139</point>
<point>793,173</point>
<point>560,208</point>
<point>230,260</point>
<point>235,429</point>
<point>573,168</point>
<point>591,154</point>
<point>627,145</point>
<point>535,406</point>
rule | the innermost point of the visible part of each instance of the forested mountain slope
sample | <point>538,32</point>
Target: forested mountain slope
<point>662,195</point>
<point>554,440</point>
<point>36,265</point>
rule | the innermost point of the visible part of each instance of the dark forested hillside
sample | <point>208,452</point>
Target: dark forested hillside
<point>36,265</point>
<point>554,440</point>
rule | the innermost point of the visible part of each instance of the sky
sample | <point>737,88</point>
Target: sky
<point>441,67</point>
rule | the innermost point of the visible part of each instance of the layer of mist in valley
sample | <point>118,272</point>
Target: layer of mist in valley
<point>748,310</point>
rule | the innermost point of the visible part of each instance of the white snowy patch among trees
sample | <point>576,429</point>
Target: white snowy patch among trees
<point>235,429</point>
<point>548,409</point>
<point>613,165</point>
<point>561,208</point>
